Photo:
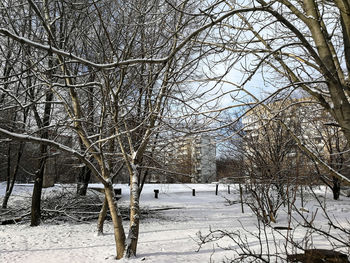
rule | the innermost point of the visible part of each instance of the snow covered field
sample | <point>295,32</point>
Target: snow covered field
<point>169,237</point>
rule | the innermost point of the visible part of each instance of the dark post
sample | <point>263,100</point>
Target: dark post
<point>241,197</point>
<point>217,189</point>
<point>228,189</point>
<point>156,192</point>
<point>302,196</point>
<point>193,192</point>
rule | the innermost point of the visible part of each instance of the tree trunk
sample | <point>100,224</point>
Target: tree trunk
<point>39,176</point>
<point>131,244</point>
<point>102,217</point>
<point>336,188</point>
<point>8,192</point>
<point>38,186</point>
<point>119,234</point>
<point>12,178</point>
<point>8,176</point>
<point>83,180</point>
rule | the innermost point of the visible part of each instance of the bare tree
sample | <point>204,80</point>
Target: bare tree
<point>132,55</point>
<point>271,164</point>
<point>141,53</point>
<point>288,44</point>
<point>13,101</point>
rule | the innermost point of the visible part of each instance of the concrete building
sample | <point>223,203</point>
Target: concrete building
<point>193,159</point>
<point>204,159</point>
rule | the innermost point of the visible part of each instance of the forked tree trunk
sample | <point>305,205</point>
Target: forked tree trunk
<point>119,234</point>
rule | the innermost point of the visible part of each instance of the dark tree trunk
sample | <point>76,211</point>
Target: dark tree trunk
<point>83,180</point>
<point>336,188</point>
<point>43,124</point>
<point>38,186</point>
<point>11,178</point>
<point>39,175</point>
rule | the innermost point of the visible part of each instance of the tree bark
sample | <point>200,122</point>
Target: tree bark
<point>336,188</point>
<point>133,235</point>
<point>102,217</point>
<point>39,176</point>
<point>83,180</point>
<point>119,234</point>
<point>38,186</point>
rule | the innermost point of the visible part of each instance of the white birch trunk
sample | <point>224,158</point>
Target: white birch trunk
<point>131,243</point>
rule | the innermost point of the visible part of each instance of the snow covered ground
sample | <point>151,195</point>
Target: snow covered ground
<point>170,237</point>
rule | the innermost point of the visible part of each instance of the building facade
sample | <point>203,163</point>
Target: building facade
<point>192,159</point>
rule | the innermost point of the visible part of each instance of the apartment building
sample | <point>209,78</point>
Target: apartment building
<point>190,159</point>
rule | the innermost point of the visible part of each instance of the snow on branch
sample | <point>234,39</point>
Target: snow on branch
<point>23,40</point>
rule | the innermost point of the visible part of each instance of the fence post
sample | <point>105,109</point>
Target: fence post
<point>301,196</point>
<point>241,197</point>
<point>217,189</point>
<point>193,192</point>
